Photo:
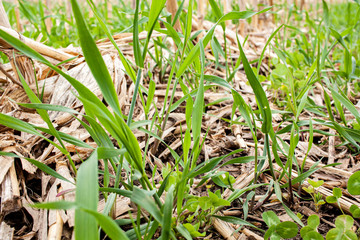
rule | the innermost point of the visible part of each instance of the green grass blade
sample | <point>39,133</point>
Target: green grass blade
<point>105,152</point>
<point>155,10</point>
<point>266,44</point>
<point>195,51</point>
<point>19,125</point>
<point>87,196</point>
<point>133,101</point>
<point>347,57</point>
<point>118,191</point>
<point>22,126</point>
<point>119,130</point>
<point>199,101</point>
<point>64,205</point>
<point>130,71</point>
<point>262,101</point>
<point>188,27</point>
<point>346,102</point>
<point>108,225</point>
<point>136,43</point>
<point>49,107</point>
<point>95,61</point>
<point>168,207</point>
<point>237,221</point>
<point>217,11</point>
<point>142,198</point>
<point>43,167</point>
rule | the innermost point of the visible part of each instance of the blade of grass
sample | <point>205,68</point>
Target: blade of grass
<point>95,61</point>
<point>130,71</point>
<point>194,53</point>
<point>87,196</point>
<point>108,225</point>
<point>136,43</point>
<point>166,225</point>
<point>259,92</point>
<point>46,169</point>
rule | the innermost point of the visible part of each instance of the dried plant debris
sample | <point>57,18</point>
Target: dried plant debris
<point>241,184</point>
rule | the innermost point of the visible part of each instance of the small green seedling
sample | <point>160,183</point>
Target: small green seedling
<point>310,231</point>
<point>316,196</point>
<point>343,229</point>
<point>337,193</point>
<point>194,230</point>
<point>277,229</point>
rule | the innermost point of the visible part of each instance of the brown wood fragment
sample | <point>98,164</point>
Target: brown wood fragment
<point>6,232</point>
<point>39,47</point>
<point>63,169</point>
<point>171,6</point>
<point>251,234</point>
<point>331,158</point>
<point>10,193</point>
<point>55,230</point>
<point>5,164</point>
<point>225,229</point>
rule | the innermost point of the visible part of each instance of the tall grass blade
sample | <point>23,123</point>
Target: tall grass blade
<point>199,101</point>
<point>130,71</point>
<point>136,43</point>
<point>87,196</point>
<point>95,61</point>
<point>259,92</point>
<point>155,10</point>
<point>166,225</point>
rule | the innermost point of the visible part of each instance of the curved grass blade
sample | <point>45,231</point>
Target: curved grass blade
<point>95,61</point>
<point>266,44</point>
<point>43,167</point>
<point>142,198</point>
<point>67,138</point>
<point>22,126</point>
<point>346,102</point>
<point>120,192</point>
<point>80,88</point>
<point>49,107</point>
<point>105,152</point>
<point>237,221</point>
<point>262,101</point>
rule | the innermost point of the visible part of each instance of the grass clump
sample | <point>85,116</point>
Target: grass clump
<point>166,202</point>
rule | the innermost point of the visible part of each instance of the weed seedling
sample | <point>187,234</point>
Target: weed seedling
<point>316,196</point>
<point>335,197</point>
